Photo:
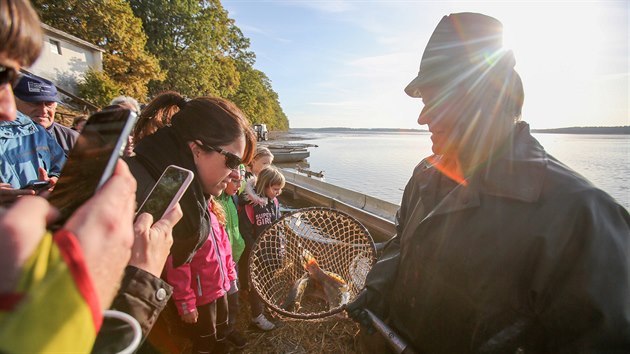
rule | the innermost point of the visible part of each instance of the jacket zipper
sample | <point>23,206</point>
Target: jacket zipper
<point>216,248</point>
<point>199,292</point>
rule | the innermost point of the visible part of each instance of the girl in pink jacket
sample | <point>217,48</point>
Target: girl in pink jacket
<point>201,286</point>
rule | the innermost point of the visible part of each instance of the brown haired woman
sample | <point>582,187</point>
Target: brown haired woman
<point>211,137</point>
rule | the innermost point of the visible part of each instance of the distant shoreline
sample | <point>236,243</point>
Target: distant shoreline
<point>300,133</point>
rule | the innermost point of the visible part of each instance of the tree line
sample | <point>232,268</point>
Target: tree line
<point>189,46</point>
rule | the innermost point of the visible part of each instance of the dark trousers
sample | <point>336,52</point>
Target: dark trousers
<point>210,331</point>
<point>256,304</point>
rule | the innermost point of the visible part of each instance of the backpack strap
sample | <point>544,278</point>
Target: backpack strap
<point>249,210</point>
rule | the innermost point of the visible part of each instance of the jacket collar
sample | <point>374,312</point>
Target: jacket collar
<point>21,126</point>
<point>516,172</point>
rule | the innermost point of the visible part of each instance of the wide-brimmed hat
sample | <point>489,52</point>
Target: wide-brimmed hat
<point>462,47</point>
<point>33,88</point>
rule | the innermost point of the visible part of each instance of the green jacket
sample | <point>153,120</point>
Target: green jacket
<point>231,215</point>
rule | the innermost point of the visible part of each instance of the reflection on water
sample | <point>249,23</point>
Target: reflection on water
<point>380,164</point>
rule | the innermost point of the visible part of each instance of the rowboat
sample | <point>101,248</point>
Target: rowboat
<point>289,156</point>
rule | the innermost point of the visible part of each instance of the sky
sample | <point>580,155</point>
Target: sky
<point>345,63</point>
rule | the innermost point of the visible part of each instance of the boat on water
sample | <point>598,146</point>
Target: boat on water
<point>375,214</point>
<point>289,156</point>
<point>284,153</point>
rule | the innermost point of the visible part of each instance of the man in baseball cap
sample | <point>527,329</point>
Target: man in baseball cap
<point>37,98</point>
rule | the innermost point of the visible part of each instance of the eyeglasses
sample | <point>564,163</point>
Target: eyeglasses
<point>231,161</point>
<point>9,75</point>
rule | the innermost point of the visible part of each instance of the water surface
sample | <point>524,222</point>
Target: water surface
<point>381,163</point>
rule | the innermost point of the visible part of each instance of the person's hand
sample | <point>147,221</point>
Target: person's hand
<point>153,243</point>
<point>129,147</point>
<point>9,195</point>
<point>356,311</point>
<point>190,317</point>
<point>104,229</point>
<point>21,228</point>
<point>43,176</point>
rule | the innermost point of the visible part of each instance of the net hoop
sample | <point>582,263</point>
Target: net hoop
<point>339,243</point>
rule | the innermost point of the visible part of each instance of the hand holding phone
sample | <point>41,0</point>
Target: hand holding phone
<point>153,240</point>
<point>166,192</point>
<point>38,185</point>
<point>92,160</point>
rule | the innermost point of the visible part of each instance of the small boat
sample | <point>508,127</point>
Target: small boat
<point>284,153</point>
<point>289,156</point>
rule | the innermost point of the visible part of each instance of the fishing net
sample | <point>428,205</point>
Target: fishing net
<point>311,262</point>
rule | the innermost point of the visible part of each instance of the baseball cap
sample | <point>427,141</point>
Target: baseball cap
<point>33,88</point>
<point>463,46</point>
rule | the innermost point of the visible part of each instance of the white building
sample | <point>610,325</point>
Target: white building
<point>65,58</point>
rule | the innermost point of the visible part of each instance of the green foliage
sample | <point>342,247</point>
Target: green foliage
<point>190,46</point>
<point>197,44</point>
<point>111,25</point>
<point>98,88</point>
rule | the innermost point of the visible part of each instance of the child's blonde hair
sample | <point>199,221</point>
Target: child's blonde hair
<point>269,176</point>
<point>217,209</point>
<point>261,151</point>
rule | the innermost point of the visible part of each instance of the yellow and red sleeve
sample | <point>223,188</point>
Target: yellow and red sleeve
<point>55,307</point>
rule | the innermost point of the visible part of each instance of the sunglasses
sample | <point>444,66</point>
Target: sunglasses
<point>231,161</point>
<point>9,75</point>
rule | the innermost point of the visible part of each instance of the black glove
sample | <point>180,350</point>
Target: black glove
<point>356,311</point>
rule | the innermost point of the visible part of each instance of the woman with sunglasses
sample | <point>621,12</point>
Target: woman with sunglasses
<point>211,137</point>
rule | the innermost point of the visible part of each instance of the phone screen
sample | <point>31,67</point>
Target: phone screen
<point>92,159</point>
<point>167,191</point>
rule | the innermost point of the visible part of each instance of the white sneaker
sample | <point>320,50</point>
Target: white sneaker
<point>263,323</point>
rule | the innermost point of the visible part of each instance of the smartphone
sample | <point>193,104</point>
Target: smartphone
<point>92,160</point>
<point>38,185</point>
<point>166,192</point>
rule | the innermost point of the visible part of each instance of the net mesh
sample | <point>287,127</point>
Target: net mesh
<point>340,246</point>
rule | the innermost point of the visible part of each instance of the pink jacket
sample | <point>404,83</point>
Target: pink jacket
<point>207,277</point>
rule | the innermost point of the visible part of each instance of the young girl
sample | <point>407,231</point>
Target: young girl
<point>229,202</point>
<point>200,287</point>
<point>259,208</point>
<point>262,158</point>
<point>211,137</point>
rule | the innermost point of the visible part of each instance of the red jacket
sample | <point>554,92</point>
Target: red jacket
<point>208,275</point>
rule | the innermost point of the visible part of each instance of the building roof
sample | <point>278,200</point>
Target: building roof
<point>70,38</point>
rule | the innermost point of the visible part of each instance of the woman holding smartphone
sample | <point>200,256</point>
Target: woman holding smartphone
<point>211,137</point>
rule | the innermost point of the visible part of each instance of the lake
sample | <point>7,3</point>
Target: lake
<point>381,163</point>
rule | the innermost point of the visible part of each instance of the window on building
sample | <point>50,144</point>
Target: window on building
<point>55,46</point>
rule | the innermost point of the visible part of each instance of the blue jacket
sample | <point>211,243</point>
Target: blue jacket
<point>25,146</point>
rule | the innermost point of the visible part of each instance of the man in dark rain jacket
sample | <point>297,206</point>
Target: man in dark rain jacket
<point>500,247</point>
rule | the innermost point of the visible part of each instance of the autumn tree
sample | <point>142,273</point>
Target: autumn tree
<point>197,44</point>
<point>111,25</point>
<point>98,88</point>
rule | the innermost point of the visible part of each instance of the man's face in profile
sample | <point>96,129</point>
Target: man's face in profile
<point>442,113</point>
